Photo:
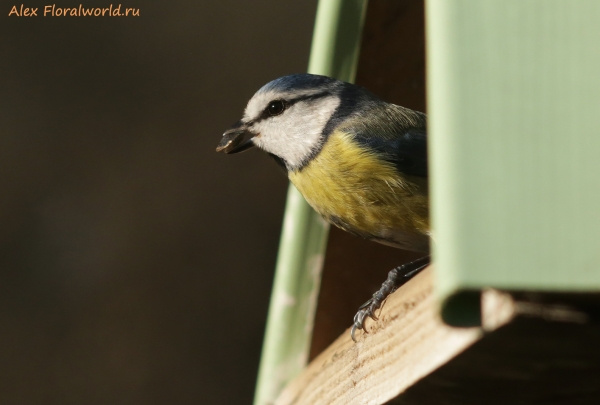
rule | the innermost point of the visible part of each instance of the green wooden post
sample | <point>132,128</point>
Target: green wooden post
<point>513,98</point>
<point>334,53</point>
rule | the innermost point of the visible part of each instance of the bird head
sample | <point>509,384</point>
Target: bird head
<point>288,118</point>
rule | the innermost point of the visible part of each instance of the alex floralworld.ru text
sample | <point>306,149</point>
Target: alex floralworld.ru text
<point>81,11</point>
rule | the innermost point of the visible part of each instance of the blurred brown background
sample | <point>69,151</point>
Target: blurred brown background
<point>135,262</point>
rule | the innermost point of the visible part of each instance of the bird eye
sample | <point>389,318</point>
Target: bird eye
<point>275,107</point>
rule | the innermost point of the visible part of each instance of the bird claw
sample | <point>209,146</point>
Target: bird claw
<point>366,310</point>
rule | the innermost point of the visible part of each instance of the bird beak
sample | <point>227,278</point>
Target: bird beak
<point>233,140</point>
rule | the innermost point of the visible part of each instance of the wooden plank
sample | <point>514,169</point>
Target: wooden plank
<point>547,354</point>
<point>532,348</point>
<point>407,343</point>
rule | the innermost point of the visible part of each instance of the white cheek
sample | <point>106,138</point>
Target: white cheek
<point>295,134</point>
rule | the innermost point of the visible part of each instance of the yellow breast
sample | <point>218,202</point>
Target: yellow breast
<point>362,193</point>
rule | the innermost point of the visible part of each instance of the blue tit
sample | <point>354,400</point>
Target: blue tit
<point>360,162</point>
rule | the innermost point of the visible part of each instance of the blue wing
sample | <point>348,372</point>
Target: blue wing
<point>407,151</point>
<point>397,134</point>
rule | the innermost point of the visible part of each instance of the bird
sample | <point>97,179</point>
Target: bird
<point>360,162</point>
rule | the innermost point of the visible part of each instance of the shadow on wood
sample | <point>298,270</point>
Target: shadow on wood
<point>531,349</point>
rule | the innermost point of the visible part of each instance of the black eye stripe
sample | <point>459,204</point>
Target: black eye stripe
<point>288,103</point>
<point>307,97</point>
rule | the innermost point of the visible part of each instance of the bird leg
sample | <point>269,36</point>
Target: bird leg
<point>396,278</point>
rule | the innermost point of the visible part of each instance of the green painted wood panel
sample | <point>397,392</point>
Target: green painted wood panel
<point>334,52</point>
<point>514,113</point>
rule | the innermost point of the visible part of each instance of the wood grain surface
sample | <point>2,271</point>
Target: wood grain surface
<point>408,342</point>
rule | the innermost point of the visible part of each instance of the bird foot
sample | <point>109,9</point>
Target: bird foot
<point>396,278</point>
